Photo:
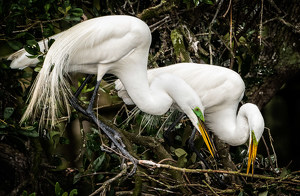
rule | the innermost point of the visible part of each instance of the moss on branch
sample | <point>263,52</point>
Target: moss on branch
<point>153,12</point>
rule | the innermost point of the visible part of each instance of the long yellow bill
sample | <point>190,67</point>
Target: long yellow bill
<point>252,152</point>
<point>206,138</point>
<point>203,132</point>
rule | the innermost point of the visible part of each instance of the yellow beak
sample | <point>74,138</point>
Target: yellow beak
<point>203,132</point>
<point>206,138</point>
<point>252,152</point>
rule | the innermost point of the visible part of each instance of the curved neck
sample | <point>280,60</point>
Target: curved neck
<point>235,130</point>
<point>229,127</point>
<point>157,97</point>
<point>152,101</point>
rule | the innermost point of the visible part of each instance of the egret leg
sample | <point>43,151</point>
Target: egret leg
<point>73,99</point>
<point>166,134</point>
<point>191,145</point>
<point>200,156</point>
<point>76,105</point>
<point>113,135</point>
<point>86,80</point>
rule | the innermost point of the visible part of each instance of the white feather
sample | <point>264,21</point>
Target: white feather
<point>220,91</point>
<point>112,44</point>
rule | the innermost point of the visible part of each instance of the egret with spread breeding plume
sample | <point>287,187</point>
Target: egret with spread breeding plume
<point>118,45</point>
<point>220,91</point>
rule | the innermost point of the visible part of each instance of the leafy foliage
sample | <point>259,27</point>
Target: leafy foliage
<point>85,160</point>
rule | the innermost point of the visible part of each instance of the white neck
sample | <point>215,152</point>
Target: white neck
<point>235,130</point>
<point>156,98</point>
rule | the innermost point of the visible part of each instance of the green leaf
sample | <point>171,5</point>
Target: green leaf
<point>98,162</point>
<point>32,47</point>
<point>263,193</point>
<point>33,56</point>
<point>58,190</point>
<point>209,2</point>
<point>180,152</point>
<point>181,162</point>
<point>27,74</point>
<point>73,192</point>
<point>68,8</point>
<point>77,178</point>
<point>76,12</point>
<point>194,158</point>
<point>65,194</point>
<point>37,69</point>
<point>284,172</point>
<point>73,18</point>
<point>47,7</point>
<point>15,45</point>
<point>30,133</point>
<point>196,2</point>
<point>24,193</point>
<point>31,42</point>
<point>22,34</point>
<point>61,10</point>
<point>241,193</point>
<point>2,126</point>
<point>8,112</point>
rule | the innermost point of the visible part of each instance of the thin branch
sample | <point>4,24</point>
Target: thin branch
<point>158,24</point>
<point>210,188</point>
<point>268,152</point>
<point>153,179</point>
<point>237,173</point>
<point>108,182</point>
<point>275,6</point>
<point>230,39</point>
<point>261,21</point>
<point>295,28</point>
<point>210,30</point>
<point>27,28</point>
<point>228,47</point>
<point>42,30</point>
<point>229,6</point>
<point>271,141</point>
<point>36,23</point>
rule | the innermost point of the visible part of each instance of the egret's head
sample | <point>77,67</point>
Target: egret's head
<point>201,128</point>
<point>256,131</point>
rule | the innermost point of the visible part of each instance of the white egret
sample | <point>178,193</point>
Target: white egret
<point>117,45</point>
<point>220,91</point>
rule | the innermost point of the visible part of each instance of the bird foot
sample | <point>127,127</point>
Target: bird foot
<point>112,134</point>
<point>134,165</point>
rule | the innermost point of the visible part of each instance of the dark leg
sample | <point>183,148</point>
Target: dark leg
<point>167,137</point>
<point>76,105</point>
<point>191,145</point>
<point>86,80</point>
<point>73,99</point>
<point>111,133</point>
<point>194,149</point>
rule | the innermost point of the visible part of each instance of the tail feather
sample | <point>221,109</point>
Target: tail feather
<point>50,94</point>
